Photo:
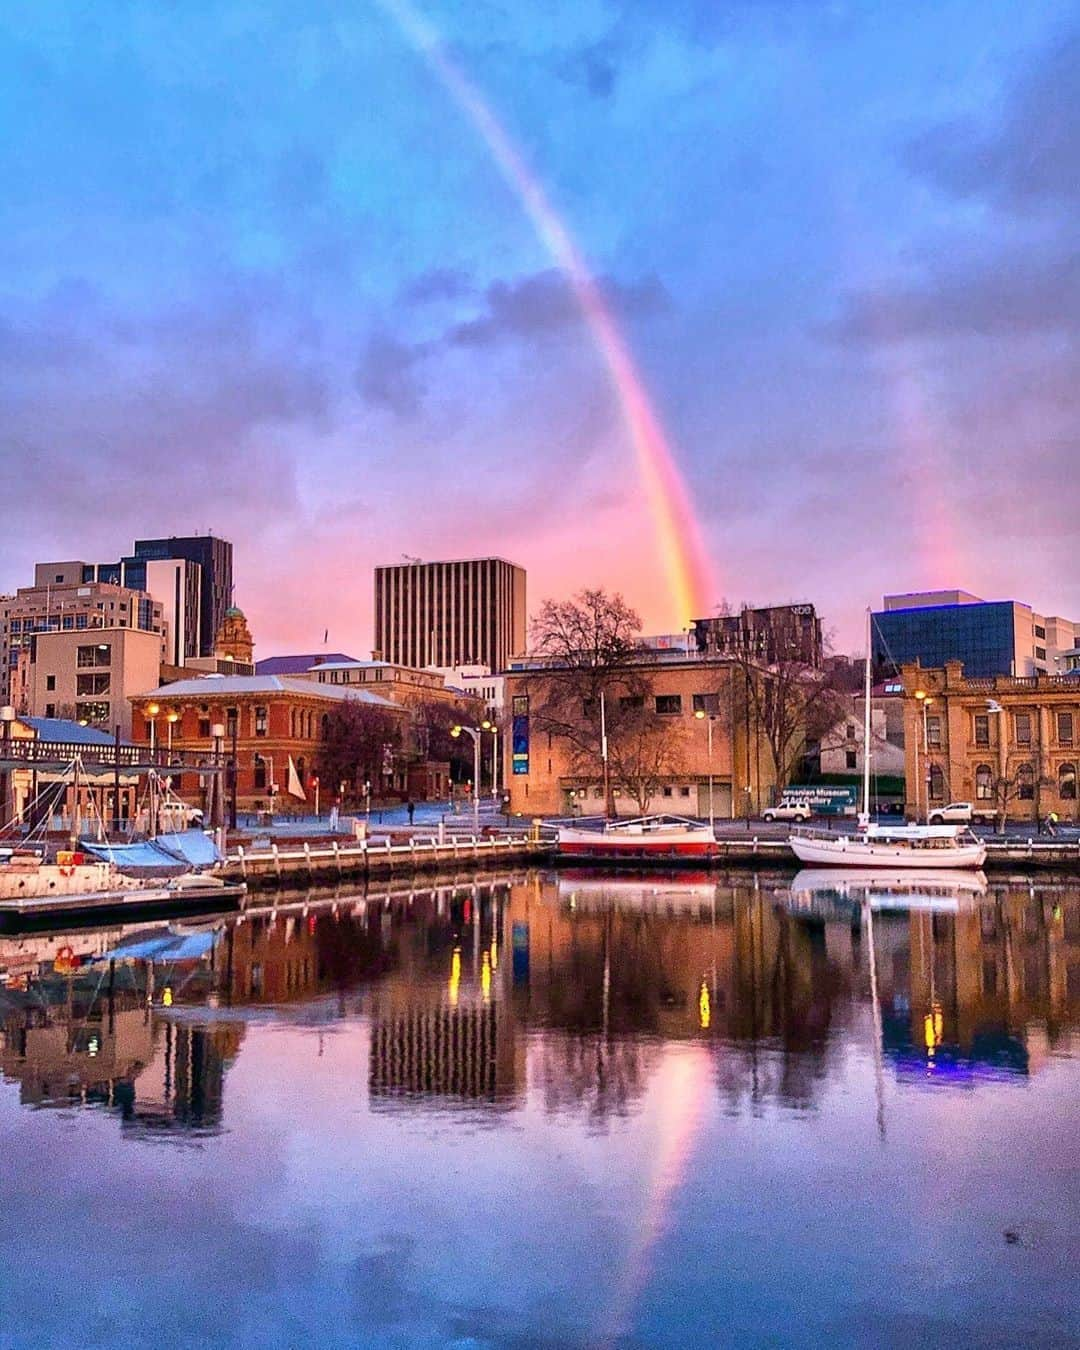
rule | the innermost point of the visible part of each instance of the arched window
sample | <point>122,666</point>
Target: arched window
<point>937,783</point>
<point>1067,782</point>
<point>292,723</point>
<point>1025,783</point>
<point>260,774</point>
<point>984,783</point>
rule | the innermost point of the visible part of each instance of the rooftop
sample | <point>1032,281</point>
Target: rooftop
<point>298,664</point>
<point>218,686</point>
<point>64,729</point>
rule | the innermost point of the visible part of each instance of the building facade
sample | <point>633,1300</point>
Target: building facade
<point>772,635</point>
<point>60,602</point>
<point>996,637</point>
<point>545,776</point>
<point>270,719</point>
<point>457,613</point>
<point>175,584</point>
<point>91,677</point>
<point>1009,745</point>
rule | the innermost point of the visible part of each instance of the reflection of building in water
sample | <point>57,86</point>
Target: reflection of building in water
<point>993,987</point>
<point>458,1052</point>
<point>183,1086</point>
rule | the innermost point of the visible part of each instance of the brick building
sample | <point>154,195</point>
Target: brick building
<point>544,777</point>
<point>276,718</point>
<point>1010,745</point>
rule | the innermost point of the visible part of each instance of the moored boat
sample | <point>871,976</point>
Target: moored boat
<point>661,838</point>
<point>891,846</point>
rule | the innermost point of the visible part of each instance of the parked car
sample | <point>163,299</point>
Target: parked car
<point>956,813</point>
<point>788,811</point>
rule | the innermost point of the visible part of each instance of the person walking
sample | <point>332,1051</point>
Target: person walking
<point>411,810</point>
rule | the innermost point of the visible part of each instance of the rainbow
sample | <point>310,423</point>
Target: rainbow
<point>681,549</point>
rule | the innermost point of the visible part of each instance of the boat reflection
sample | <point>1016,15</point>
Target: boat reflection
<point>904,889</point>
<point>477,994</point>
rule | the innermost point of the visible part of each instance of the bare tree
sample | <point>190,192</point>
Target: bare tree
<point>591,685</point>
<point>354,746</point>
<point>645,752</point>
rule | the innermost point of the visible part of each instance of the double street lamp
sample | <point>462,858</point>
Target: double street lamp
<point>488,725</point>
<point>924,701</point>
<point>152,711</point>
<point>474,732</point>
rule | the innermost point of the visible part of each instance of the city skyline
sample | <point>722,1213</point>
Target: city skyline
<point>333,327</point>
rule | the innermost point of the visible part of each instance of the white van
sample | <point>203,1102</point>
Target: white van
<point>173,817</point>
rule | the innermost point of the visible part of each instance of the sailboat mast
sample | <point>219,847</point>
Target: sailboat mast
<point>866,724</point>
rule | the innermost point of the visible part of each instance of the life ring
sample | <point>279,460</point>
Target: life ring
<point>65,954</point>
<point>67,870</point>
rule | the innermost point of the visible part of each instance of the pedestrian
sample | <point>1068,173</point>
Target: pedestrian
<point>411,810</point>
<point>1051,822</point>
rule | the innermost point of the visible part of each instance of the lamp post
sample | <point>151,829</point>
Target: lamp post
<point>474,732</point>
<point>152,711</point>
<point>708,719</point>
<point>493,727</point>
<point>171,718</point>
<point>217,798</point>
<point>924,700</point>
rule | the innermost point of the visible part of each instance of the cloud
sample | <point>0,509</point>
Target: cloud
<point>543,303</point>
<point>437,283</point>
<point>387,375</point>
<point>1030,159</point>
<point>997,295</point>
<point>594,66</point>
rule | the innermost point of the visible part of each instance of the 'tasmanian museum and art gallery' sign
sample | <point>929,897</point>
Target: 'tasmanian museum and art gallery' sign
<point>824,799</point>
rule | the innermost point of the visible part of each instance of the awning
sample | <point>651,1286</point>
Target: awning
<point>164,948</point>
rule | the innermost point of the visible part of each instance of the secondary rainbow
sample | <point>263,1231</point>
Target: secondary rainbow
<point>682,551</point>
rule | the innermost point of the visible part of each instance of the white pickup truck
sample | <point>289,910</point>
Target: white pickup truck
<point>958,813</point>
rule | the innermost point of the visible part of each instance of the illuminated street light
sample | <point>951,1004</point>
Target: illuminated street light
<point>474,732</point>
<point>709,718</point>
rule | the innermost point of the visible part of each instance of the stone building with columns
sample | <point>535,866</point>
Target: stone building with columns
<point>1009,745</point>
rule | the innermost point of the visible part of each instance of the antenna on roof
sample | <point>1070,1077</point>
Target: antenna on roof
<point>410,559</point>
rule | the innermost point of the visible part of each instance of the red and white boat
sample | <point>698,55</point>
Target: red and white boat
<point>653,838</point>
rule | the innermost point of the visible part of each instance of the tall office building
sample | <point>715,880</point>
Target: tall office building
<point>175,583</point>
<point>468,612</point>
<point>991,637</point>
<point>214,557</point>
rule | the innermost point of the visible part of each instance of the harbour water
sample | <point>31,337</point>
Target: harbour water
<point>552,1111</point>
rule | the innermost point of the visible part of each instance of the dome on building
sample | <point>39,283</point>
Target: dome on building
<point>234,641</point>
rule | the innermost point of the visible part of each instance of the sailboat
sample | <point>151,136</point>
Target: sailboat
<point>893,846</point>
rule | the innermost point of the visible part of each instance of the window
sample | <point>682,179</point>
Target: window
<point>933,731</point>
<point>669,705</point>
<point>1040,631</point>
<point>95,654</point>
<point>851,759</point>
<point>1067,782</point>
<point>706,703</point>
<point>232,716</point>
<point>1065,728</point>
<point>1025,783</point>
<point>937,783</point>
<point>984,783</point>
<point>850,731</point>
<point>1022,723</point>
<point>667,792</point>
<point>260,774</point>
<point>50,709</point>
<point>89,685</point>
<point>1040,653</point>
<point>50,683</point>
<point>261,721</point>
<point>982,729</point>
<point>204,726</point>
<point>97,714</point>
<point>632,702</point>
<point>684,792</point>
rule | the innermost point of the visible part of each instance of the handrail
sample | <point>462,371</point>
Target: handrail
<point>27,751</point>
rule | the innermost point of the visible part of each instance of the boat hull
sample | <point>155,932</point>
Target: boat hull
<point>649,844</point>
<point>852,851</point>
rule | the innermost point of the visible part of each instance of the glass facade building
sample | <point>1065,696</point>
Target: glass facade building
<point>983,636</point>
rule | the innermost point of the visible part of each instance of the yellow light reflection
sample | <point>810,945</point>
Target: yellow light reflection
<point>455,976</point>
<point>494,953</point>
<point>166,997</point>
<point>485,978</point>
<point>704,1007</point>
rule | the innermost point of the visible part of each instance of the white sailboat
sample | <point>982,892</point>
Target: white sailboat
<point>892,846</point>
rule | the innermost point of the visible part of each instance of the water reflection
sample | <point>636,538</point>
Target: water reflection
<point>593,976</point>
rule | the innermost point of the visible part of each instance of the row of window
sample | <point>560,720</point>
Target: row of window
<point>1022,787</point>
<point>665,705</point>
<point>1023,728</point>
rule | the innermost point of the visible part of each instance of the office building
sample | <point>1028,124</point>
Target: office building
<point>468,612</point>
<point>60,602</point>
<point>996,637</point>
<point>175,583</point>
<point>215,559</point>
<point>771,635</point>
<point>91,676</point>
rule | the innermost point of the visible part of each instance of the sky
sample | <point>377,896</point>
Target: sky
<point>264,272</point>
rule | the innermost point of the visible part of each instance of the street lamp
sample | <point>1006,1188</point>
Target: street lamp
<point>493,727</point>
<point>474,732</point>
<point>152,711</point>
<point>924,701</point>
<point>708,719</point>
<point>217,785</point>
<point>171,717</point>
